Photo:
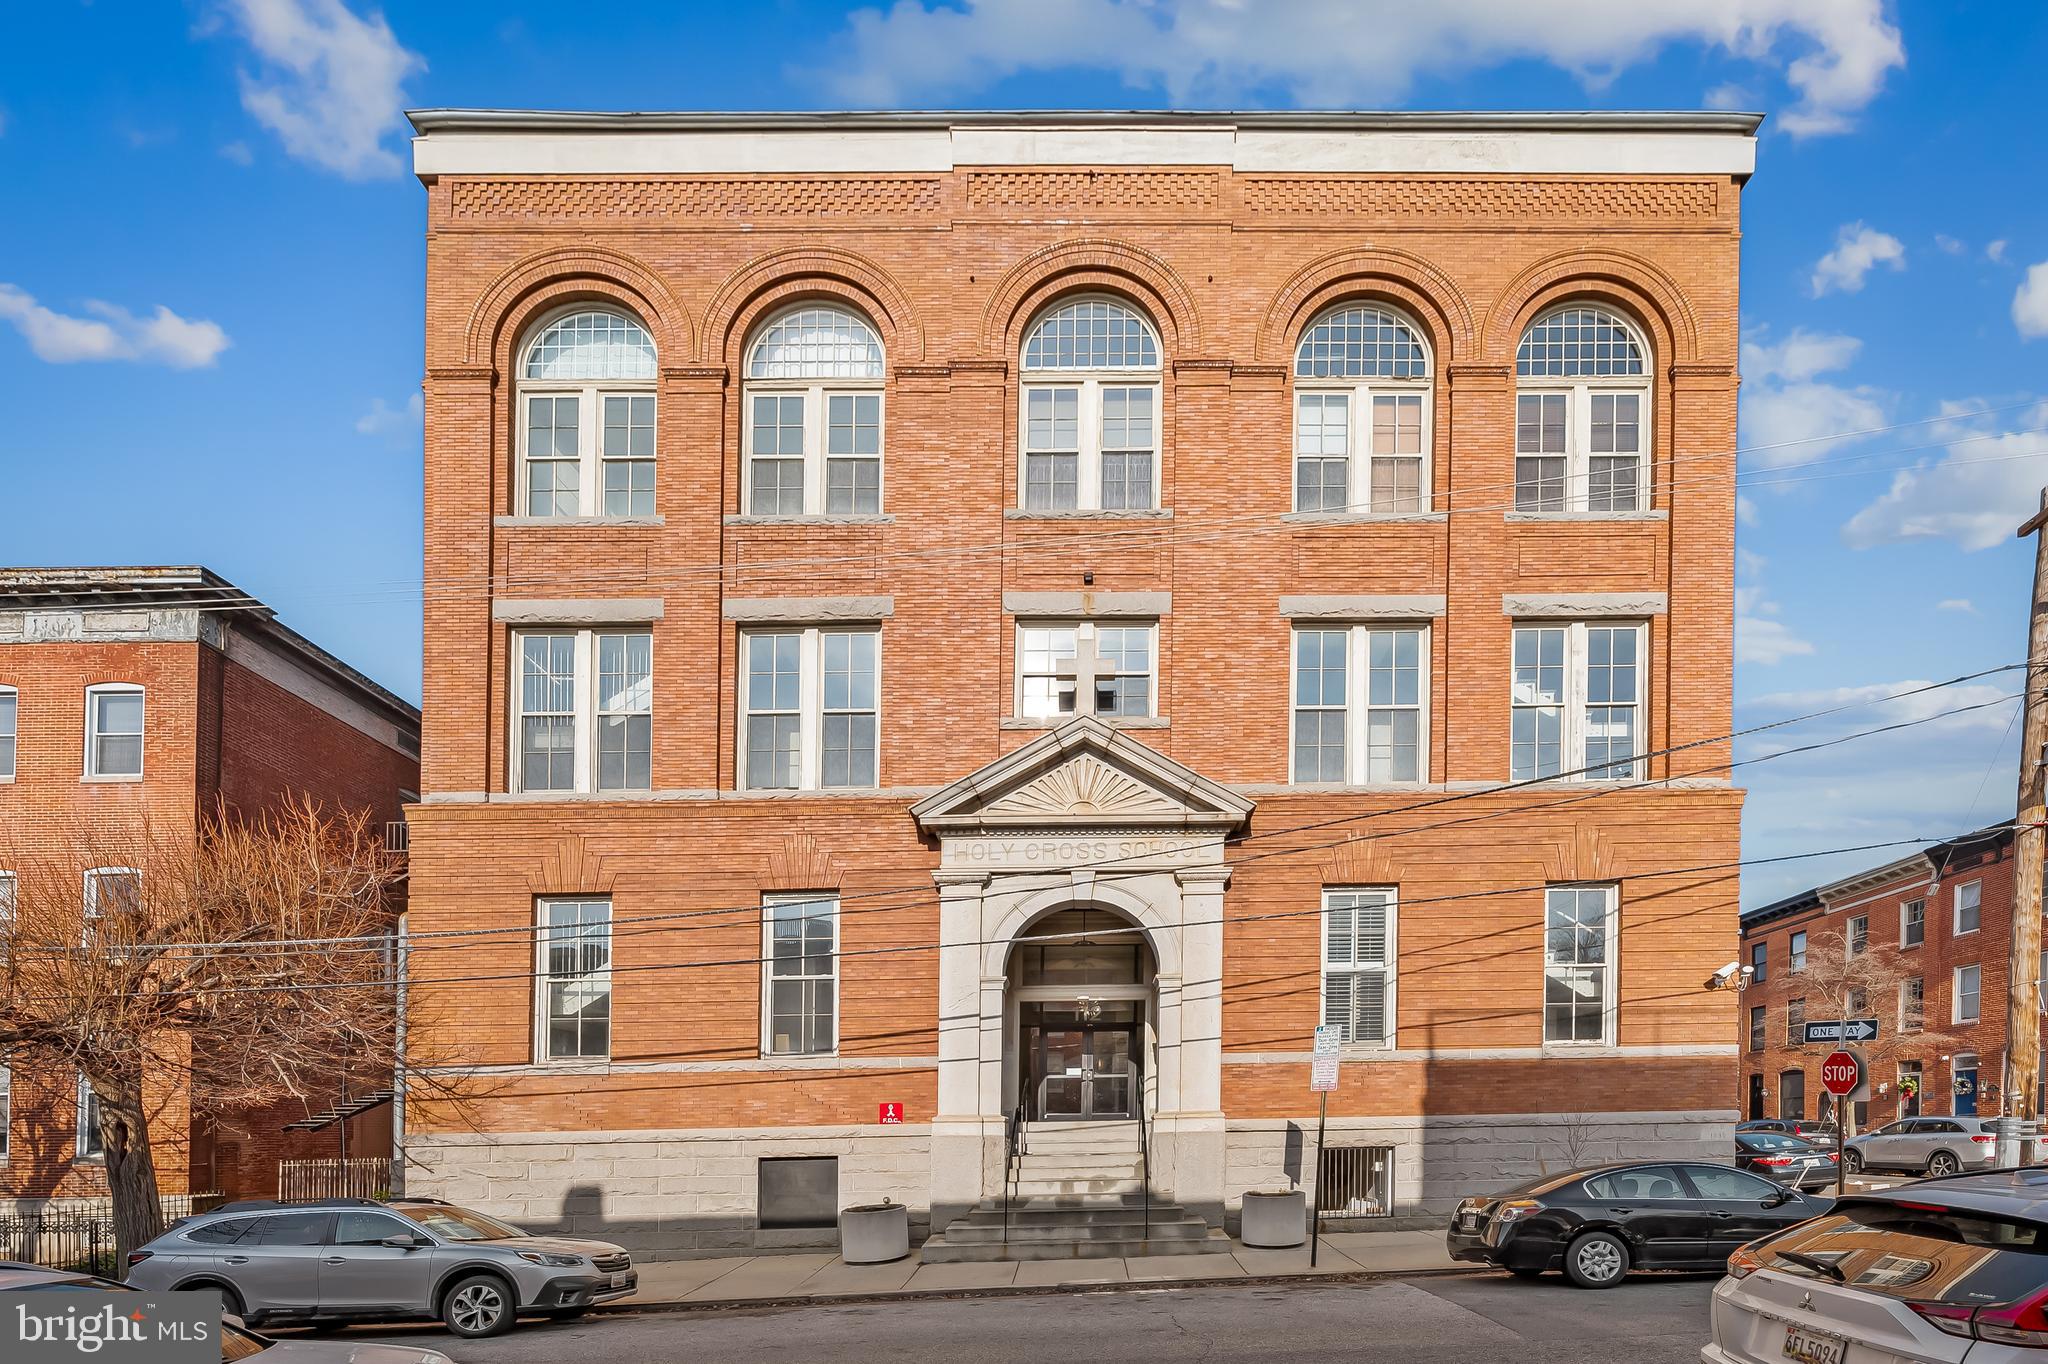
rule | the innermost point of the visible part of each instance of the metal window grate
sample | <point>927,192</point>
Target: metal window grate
<point>1355,1181</point>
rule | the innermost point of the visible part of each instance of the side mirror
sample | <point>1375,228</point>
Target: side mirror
<point>403,1241</point>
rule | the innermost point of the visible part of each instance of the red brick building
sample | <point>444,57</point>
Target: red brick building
<point>1941,921</point>
<point>934,618</point>
<point>135,701</point>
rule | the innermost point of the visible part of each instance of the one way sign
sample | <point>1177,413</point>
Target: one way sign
<point>1837,1030</point>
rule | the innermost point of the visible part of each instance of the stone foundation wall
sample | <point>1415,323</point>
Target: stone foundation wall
<point>666,1194</point>
<point>1439,1160</point>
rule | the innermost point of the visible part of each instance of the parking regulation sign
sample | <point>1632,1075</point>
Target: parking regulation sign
<point>1323,1067</point>
<point>1839,1074</point>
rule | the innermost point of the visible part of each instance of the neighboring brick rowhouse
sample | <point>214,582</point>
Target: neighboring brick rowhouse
<point>1961,1066</point>
<point>950,237</point>
<point>237,709</point>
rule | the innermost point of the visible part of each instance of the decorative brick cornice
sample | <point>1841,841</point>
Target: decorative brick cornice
<point>1476,373</point>
<point>461,374</point>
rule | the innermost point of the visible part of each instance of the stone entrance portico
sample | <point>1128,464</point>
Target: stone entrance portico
<point>1081,817</point>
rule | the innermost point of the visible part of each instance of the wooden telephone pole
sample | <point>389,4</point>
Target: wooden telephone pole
<point>2023,982</point>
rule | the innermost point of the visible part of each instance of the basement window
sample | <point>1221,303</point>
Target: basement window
<point>799,1191</point>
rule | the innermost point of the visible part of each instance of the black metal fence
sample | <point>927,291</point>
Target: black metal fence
<point>77,1236</point>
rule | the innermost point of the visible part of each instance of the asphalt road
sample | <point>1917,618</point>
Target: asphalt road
<point>1435,1320</point>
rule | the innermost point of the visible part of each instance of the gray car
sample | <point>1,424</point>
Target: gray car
<point>1935,1146</point>
<point>328,1263</point>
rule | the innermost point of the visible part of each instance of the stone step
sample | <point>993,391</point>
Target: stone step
<point>1079,1162</point>
<point>1182,1228</point>
<point>943,1249</point>
<point>1117,1208</point>
<point>1053,1185</point>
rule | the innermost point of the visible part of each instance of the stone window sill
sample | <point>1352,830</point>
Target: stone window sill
<point>1655,514</point>
<point>1114,722</point>
<point>118,779</point>
<point>578,522</point>
<point>829,519</point>
<point>1363,518</point>
<point>1092,514</point>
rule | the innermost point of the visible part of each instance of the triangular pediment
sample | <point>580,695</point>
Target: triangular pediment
<point>1080,775</point>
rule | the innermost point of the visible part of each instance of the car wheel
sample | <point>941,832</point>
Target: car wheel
<point>1943,1163</point>
<point>230,1300</point>
<point>1599,1259</point>
<point>1525,1271</point>
<point>477,1306</point>
<point>1854,1160</point>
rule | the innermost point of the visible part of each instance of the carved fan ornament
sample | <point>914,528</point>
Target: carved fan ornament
<point>1084,786</point>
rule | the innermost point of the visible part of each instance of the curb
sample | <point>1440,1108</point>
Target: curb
<point>675,1306</point>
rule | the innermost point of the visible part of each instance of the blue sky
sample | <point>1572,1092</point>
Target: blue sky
<point>210,288</point>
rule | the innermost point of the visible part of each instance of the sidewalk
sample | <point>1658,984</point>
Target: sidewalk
<point>760,1279</point>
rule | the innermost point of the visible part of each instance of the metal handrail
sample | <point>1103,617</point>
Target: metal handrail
<point>1144,1140</point>
<point>1013,1147</point>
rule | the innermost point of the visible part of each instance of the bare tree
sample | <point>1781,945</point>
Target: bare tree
<point>243,965</point>
<point>1845,979</point>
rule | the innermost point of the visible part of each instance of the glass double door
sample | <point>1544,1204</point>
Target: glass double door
<point>1080,1067</point>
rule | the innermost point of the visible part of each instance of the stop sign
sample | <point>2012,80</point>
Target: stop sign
<point>1839,1073</point>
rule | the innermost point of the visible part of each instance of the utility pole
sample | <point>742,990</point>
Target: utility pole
<point>2023,979</point>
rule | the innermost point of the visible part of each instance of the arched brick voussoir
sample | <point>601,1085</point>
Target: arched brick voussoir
<point>1091,262</point>
<point>766,280</point>
<point>1408,280</point>
<point>536,283</point>
<point>1632,280</point>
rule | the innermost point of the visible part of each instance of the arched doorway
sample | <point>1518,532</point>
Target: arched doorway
<point>1080,1026</point>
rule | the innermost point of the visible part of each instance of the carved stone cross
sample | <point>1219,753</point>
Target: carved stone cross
<point>1087,667</point>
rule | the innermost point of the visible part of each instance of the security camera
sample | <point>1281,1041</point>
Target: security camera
<point>1734,974</point>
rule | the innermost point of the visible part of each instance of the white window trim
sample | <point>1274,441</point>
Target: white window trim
<point>1904,920</point>
<point>816,394</point>
<point>6,1113</point>
<point>810,705</point>
<point>1955,993</point>
<point>590,395</point>
<point>1357,657</point>
<point>14,736</point>
<point>1923,1003</point>
<point>1610,1013</point>
<point>85,1089</point>
<point>1578,442</point>
<point>541,978</point>
<point>90,769</point>
<point>1572,731</point>
<point>1358,439</point>
<point>1083,628</point>
<point>1088,415</point>
<point>768,905</point>
<point>1849,946</point>
<point>586,715</point>
<point>90,897</point>
<point>1795,952</point>
<point>1390,972</point>
<point>1956,908</point>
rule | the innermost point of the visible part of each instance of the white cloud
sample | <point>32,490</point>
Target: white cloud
<point>238,152</point>
<point>1327,53</point>
<point>1960,605</point>
<point>1745,511</point>
<point>1730,95</point>
<point>1949,245</point>
<point>1859,249</point>
<point>1974,495</point>
<point>2030,302</point>
<point>1759,638</point>
<point>1789,414</point>
<point>330,84</point>
<point>1995,253</point>
<point>394,423</point>
<point>111,333</point>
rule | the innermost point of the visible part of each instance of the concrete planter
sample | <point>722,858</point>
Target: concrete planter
<point>1274,1220</point>
<point>874,1234</point>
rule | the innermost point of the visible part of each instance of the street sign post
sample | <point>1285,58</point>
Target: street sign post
<point>1841,1030</point>
<point>1322,1079</point>
<point>1840,1074</point>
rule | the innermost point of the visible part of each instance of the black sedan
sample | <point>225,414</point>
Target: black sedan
<point>1786,1160</point>
<point>1807,1129</point>
<point>1599,1223</point>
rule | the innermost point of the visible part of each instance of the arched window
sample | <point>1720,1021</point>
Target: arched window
<point>814,415</point>
<point>1361,413</point>
<point>1582,414</point>
<point>1090,422</point>
<point>586,417</point>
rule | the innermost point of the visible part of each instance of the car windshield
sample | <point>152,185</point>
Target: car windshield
<point>1542,1185</point>
<point>1774,1141</point>
<point>235,1343</point>
<point>460,1224</point>
<point>1918,1252</point>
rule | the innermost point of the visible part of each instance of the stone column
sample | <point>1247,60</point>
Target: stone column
<point>1198,1124</point>
<point>959,1128</point>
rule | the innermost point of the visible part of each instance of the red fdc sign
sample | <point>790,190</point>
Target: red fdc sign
<point>1838,1074</point>
<point>891,1113</point>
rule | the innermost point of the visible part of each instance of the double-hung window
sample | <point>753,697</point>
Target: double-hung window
<point>1756,1027</point>
<point>586,418</point>
<point>813,408</point>
<point>1969,907</point>
<point>585,703</point>
<point>1361,413</point>
<point>574,1002</point>
<point>1579,924</point>
<point>1912,1004</point>
<point>113,901</point>
<point>10,704</point>
<point>810,708</point>
<point>113,731</point>
<point>1857,936</point>
<point>1086,668</point>
<point>6,1107</point>
<point>800,975</point>
<point>1582,414</point>
<point>1759,962</point>
<point>1361,703</point>
<point>1577,697</point>
<point>1358,964</point>
<point>1912,923</point>
<point>90,1146</point>
<point>1795,1022</point>
<point>1091,410</point>
<point>1969,993</point>
<point>1798,951</point>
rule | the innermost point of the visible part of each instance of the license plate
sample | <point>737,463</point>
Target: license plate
<point>1469,1221</point>
<point>1813,1347</point>
<point>618,1281</point>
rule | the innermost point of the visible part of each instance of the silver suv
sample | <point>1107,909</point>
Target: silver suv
<point>329,1262</point>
